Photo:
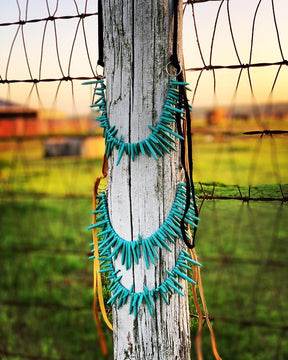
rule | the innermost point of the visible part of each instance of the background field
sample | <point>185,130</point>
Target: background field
<point>236,63</point>
<point>46,277</point>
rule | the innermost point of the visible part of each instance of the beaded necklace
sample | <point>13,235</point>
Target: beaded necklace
<point>169,286</point>
<point>156,144</point>
<point>168,232</point>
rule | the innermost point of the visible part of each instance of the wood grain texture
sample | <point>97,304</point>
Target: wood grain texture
<point>137,38</point>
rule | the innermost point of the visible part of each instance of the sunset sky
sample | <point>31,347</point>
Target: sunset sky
<point>265,49</point>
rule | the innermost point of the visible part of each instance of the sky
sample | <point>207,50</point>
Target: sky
<point>265,49</point>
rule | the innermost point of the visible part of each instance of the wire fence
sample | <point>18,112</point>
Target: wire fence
<point>236,63</point>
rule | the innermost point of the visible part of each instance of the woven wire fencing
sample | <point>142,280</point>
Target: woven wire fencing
<point>50,154</point>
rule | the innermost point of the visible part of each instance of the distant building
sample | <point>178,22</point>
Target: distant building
<point>89,147</point>
<point>62,147</point>
<point>216,116</point>
<point>21,121</point>
<point>240,116</point>
<point>16,120</point>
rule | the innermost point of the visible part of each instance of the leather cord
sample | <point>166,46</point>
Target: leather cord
<point>186,144</point>
<point>100,35</point>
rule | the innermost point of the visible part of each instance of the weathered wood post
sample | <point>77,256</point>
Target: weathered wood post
<point>137,46</point>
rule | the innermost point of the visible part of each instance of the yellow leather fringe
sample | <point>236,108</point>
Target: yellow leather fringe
<point>97,283</point>
<point>198,341</point>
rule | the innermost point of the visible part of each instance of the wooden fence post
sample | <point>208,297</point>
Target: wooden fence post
<point>137,46</point>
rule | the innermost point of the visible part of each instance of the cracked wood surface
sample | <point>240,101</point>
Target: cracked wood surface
<point>137,40</point>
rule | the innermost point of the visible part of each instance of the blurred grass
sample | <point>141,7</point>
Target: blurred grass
<point>241,160</point>
<point>223,163</point>
<point>25,171</point>
<point>244,251</point>
<point>46,278</point>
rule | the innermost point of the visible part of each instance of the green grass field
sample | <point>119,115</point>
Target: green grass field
<point>46,279</point>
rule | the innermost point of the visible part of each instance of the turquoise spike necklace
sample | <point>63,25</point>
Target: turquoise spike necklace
<point>157,143</point>
<point>168,287</point>
<point>132,250</point>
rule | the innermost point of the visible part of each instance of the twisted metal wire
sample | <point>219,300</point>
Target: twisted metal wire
<point>206,195</point>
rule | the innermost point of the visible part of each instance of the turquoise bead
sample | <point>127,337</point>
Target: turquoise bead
<point>151,149</point>
<point>120,153</point>
<point>147,146</point>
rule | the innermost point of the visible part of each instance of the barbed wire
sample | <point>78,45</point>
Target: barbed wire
<point>50,18</point>
<point>203,195</point>
<point>36,81</point>
<point>66,75</point>
<point>238,66</point>
<point>207,68</point>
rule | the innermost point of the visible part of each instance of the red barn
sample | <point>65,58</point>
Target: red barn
<point>16,120</point>
<point>20,121</point>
